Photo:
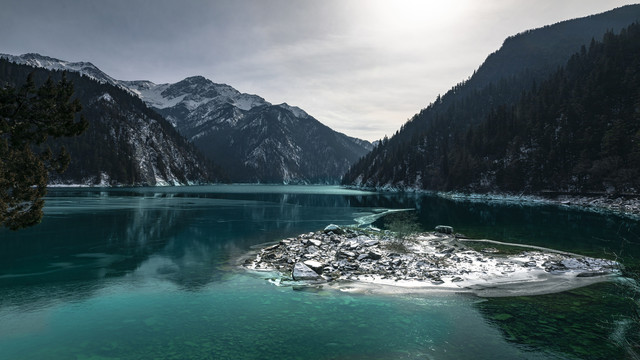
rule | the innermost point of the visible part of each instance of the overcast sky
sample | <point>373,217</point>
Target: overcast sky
<point>362,67</point>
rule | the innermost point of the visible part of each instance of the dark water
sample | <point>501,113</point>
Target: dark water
<point>147,274</point>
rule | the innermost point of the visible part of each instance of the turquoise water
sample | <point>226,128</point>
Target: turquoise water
<point>149,274</point>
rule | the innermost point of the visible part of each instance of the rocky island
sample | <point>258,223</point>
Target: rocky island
<point>354,259</point>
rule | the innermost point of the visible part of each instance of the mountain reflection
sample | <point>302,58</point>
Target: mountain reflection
<point>185,238</point>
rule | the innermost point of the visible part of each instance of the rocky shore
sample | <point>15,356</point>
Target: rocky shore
<point>622,205</point>
<point>625,206</point>
<point>353,258</point>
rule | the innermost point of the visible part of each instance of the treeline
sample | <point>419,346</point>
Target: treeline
<point>577,131</point>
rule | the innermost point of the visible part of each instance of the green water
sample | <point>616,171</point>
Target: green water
<point>149,274</point>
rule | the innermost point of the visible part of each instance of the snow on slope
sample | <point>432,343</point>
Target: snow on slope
<point>192,92</point>
<point>85,68</point>
<point>299,113</point>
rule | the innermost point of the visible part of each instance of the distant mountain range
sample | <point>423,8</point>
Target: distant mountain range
<point>552,109</point>
<point>251,139</point>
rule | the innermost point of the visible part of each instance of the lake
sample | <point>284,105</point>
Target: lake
<point>149,273</point>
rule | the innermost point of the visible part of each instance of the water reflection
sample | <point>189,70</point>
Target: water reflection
<point>186,238</point>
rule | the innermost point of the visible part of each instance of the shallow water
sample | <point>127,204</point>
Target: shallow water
<point>147,273</point>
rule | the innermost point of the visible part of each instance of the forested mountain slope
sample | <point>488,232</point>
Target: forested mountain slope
<point>446,146</point>
<point>541,51</point>
<point>579,131</point>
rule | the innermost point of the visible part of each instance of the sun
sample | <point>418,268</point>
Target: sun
<point>416,11</point>
<point>407,15</point>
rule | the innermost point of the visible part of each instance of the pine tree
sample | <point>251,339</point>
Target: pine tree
<point>28,116</point>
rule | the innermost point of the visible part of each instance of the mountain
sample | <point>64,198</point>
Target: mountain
<point>83,68</point>
<point>253,140</point>
<point>427,152</point>
<point>126,142</point>
<point>192,99</point>
<point>577,132</point>
<point>541,51</point>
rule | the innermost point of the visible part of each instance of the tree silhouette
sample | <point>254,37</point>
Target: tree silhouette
<point>28,116</point>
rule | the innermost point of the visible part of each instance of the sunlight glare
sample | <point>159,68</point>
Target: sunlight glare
<point>408,15</point>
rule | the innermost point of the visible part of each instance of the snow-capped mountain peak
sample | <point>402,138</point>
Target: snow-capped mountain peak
<point>139,84</point>
<point>192,93</point>
<point>297,112</point>
<point>49,63</point>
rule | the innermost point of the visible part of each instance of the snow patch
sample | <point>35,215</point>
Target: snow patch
<point>297,112</point>
<point>106,97</point>
<point>105,179</point>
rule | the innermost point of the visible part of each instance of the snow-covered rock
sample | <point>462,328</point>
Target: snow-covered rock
<point>432,261</point>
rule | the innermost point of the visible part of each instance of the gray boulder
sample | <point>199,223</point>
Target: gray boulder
<point>362,257</point>
<point>303,272</point>
<point>333,228</point>
<point>315,266</point>
<point>371,242</point>
<point>444,229</point>
<point>315,242</point>
<point>345,254</point>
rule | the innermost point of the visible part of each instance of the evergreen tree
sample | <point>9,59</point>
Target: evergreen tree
<point>28,116</point>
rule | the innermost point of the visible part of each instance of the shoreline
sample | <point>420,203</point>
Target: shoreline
<point>623,205</point>
<point>355,260</point>
<point>627,205</point>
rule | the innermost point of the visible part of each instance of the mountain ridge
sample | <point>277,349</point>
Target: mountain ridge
<point>542,50</point>
<point>210,114</point>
